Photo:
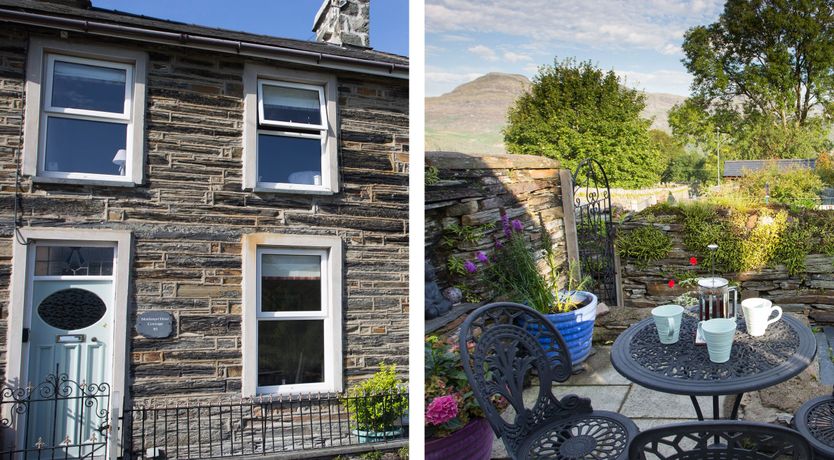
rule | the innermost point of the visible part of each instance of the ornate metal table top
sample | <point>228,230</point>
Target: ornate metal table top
<point>784,351</point>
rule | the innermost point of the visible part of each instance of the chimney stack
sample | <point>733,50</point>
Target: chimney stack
<point>343,22</point>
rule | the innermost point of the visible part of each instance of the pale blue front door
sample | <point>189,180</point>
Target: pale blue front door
<point>70,360</point>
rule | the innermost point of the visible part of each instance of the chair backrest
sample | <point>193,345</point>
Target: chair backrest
<point>724,439</point>
<point>502,345</point>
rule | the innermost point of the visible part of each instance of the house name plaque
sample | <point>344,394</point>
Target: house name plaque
<point>154,324</point>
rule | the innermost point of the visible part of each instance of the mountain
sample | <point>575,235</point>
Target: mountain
<point>470,117</point>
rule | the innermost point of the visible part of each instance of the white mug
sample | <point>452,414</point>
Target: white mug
<point>667,318</point>
<point>757,315</point>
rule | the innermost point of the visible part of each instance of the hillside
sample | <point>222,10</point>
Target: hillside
<point>470,117</point>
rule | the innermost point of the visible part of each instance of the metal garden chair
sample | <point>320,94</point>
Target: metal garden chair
<point>502,345</point>
<point>721,440</point>
<point>815,421</point>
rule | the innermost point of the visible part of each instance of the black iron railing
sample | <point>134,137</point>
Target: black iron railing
<point>58,418</point>
<point>262,425</point>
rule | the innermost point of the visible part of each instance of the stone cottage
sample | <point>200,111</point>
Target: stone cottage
<point>188,212</point>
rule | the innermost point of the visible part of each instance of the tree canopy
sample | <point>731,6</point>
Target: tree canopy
<point>575,111</point>
<point>763,77</point>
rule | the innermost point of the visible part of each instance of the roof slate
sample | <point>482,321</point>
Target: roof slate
<point>122,18</point>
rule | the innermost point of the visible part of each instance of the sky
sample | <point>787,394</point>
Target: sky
<point>281,18</point>
<point>639,39</point>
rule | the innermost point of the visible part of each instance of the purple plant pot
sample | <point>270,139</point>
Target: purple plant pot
<point>472,442</point>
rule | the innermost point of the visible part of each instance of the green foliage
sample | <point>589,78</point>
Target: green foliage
<point>575,111</point>
<point>798,188</point>
<point>751,239</point>
<point>644,245</point>
<point>372,455</point>
<point>432,175</point>
<point>455,265</point>
<point>683,166</point>
<point>825,168</point>
<point>402,452</point>
<point>444,376</point>
<point>794,246</point>
<point>454,234</point>
<point>761,74</point>
<point>377,403</point>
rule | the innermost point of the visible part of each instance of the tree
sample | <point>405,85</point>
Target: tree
<point>683,166</point>
<point>575,111</point>
<point>764,75</point>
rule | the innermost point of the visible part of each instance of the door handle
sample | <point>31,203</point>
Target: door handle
<point>25,335</point>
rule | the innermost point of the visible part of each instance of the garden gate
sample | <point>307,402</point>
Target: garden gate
<point>594,228</point>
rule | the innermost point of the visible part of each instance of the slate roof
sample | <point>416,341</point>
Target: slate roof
<point>736,168</point>
<point>129,19</point>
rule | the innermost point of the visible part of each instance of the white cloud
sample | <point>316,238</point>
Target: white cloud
<point>663,81</point>
<point>484,52</point>
<point>645,24</point>
<point>439,82</point>
<point>516,57</point>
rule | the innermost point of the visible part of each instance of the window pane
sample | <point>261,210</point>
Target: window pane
<point>73,261</point>
<point>83,86</point>
<point>289,160</point>
<point>290,352</point>
<point>291,104</point>
<point>84,146</point>
<point>290,282</point>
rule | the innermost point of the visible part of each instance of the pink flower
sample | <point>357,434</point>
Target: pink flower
<point>441,409</point>
<point>470,266</point>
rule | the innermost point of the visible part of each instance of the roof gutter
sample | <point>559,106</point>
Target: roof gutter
<point>326,60</point>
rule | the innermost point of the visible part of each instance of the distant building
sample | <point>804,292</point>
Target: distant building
<point>737,168</point>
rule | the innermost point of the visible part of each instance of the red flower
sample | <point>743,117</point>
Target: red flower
<point>693,261</point>
<point>671,283</point>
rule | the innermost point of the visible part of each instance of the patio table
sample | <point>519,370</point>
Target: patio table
<point>684,368</point>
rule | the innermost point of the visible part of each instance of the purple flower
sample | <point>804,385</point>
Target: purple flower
<point>498,244</point>
<point>517,225</point>
<point>482,257</point>
<point>441,409</point>
<point>505,224</point>
<point>470,267</point>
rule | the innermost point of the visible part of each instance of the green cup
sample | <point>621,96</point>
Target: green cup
<point>718,333</point>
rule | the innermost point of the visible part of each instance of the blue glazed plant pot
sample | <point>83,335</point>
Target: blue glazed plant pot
<point>577,327</point>
<point>377,436</point>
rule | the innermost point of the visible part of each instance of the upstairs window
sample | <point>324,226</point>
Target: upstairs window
<point>84,114</point>
<point>293,147</point>
<point>86,118</point>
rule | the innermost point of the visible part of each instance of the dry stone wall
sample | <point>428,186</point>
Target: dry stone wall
<point>810,293</point>
<point>188,217</point>
<point>471,190</point>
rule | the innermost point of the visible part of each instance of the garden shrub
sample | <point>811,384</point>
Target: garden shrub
<point>797,188</point>
<point>825,168</point>
<point>644,245</point>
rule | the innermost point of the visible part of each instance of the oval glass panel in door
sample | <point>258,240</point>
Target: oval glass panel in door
<point>71,309</point>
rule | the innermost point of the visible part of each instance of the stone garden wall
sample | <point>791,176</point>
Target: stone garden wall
<point>469,191</point>
<point>809,293</point>
<point>189,216</point>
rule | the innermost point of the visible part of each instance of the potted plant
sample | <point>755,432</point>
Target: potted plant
<point>377,404</point>
<point>455,423</point>
<point>559,294</point>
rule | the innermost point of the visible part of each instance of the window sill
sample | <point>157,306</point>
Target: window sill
<point>74,181</point>
<point>291,191</point>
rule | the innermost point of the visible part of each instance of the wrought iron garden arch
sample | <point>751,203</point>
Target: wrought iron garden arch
<point>595,228</point>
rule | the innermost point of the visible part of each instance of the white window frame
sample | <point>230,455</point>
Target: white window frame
<point>39,74</point>
<point>289,124</point>
<point>255,77</point>
<point>329,248</point>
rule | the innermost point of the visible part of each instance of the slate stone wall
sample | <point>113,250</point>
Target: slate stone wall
<point>188,218</point>
<point>810,293</point>
<point>472,189</point>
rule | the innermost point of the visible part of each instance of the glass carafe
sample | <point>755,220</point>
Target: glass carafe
<point>714,298</point>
